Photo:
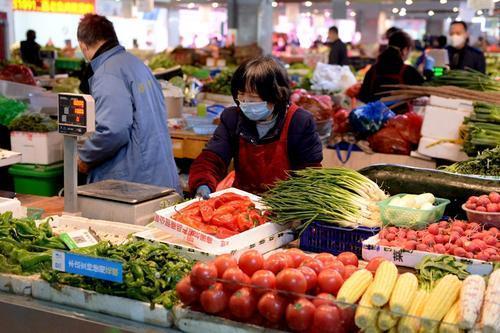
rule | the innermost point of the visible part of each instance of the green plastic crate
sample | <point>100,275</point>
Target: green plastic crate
<point>44,180</point>
<point>69,64</point>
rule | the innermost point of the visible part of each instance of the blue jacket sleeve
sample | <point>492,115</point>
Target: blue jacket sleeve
<point>114,117</point>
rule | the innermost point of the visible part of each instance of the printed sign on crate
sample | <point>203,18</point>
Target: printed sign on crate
<point>99,268</point>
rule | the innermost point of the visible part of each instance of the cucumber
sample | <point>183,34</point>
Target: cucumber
<point>397,179</point>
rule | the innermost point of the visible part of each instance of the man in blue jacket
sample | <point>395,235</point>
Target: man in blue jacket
<point>463,56</point>
<point>131,141</point>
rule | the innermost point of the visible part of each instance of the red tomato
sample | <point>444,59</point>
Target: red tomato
<point>337,266</point>
<point>264,279</point>
<point>325,258</point>
<point>203,274</point>
<point>300,314</point>
<point>242,304</point>
<point>224,262</point>
<point>297,255</point>
<point>250,262</point>
<point>214,299</point>
<point>315,264</point>
<point>186,292</point>
<point>272,307</point>
<point>233,278</point>
<point>347,321</point>
<point>330,281</point>
<point>290,262</point>
<point>349,270</point>
<point>324,298</point>
<point>291,280</point>
<point>327,319</point>
<point>348,258</point>
<point>275,263</point>
<point>310,275</point>
<point>373,264</point>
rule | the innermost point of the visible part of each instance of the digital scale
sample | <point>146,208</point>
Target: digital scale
<point>111,200</point>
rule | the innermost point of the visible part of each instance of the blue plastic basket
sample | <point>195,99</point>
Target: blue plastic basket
<point>324,237</point>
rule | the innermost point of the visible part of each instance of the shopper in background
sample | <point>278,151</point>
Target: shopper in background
<point>30,50</point>
<point>463,56</point>
<point>68,51</point>
<point>385,39</point>
<point>131,141</point>
<point>264,134</point>
<point>390,69</point>
<point>338,50</point>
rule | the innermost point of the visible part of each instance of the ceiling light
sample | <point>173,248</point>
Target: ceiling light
<point>347,3</point>
<point>191,5</point>
<point>455,9</point>
<point>215,4</point>
<point>327,14</point>
<point>409,2</point>
<point>274,4</point>
<point>430,13</point>
<point>308,3</point>
<point>353,14</point>
<point>395,10</point>
<point>402,13</point>
<point>443,1</point>
<point>308,14</point>
<point>479,12</point>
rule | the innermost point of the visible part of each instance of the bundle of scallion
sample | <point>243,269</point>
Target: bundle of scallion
<point>335,195</point>
<point>468,79</point>
<point>486,112</point>
<point>480,136</point>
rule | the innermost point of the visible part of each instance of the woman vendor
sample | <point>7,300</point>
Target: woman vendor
<point>264,133</point>
<point>390,69</point>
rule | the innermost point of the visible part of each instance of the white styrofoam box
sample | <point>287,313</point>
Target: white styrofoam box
<point>444,150</point>
<point>107,304</point>
<point>8,157</point>
<point>208,242</point>
<point>411,258</point>
<point>38,148</point>
<point>442,123</point>
<point>12,205</point>
<point>17,284</point>
<point>452,103</point>
<point>187,250</point>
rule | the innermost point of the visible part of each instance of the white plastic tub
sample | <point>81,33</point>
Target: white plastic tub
<point>38,148</point>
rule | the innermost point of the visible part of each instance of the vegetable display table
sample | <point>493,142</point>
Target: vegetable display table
<point>50,205</point>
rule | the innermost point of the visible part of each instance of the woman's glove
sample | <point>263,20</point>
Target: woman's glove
<point>204,192</point>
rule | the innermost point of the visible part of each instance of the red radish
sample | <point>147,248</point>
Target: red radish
<point>459,252</point>
<point>473,226</point>
<point>493,231</point>
<point>458,223</point>
<point>490,240</point>
<point>410,245</point>
<point>393,230</point>
<point>446,238</point>
<point>429,240</point>
<point>390,236</point>
<point>439,239</point>
<point>422,247</point>
<point>482,256</point>
<point>469,232</point>
<point>444,224</point>
<point>483,201</point>
<point>479,235</point>
<point>458,229</point>
<point>473,199</point>
<point>411,235</point>
<point>433,229</point>
<point>494,197</point>
<point>495,258</point>
<point>420,233</point>
<point>471,206</point>
<point>469,255</point>
<point>492,208</point>
<point>401,234</point>
<point>481,209</point>
<point>480,244</point>
<point>383,242</point>
<point>439,248</point>
<point>382,233</point>
<point>454,235</point>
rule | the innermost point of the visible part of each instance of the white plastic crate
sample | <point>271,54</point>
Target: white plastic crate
<point>11,205</point>
<point>443,123</point>
<point>38,148</point>
<point>452,103</point>
<point>444,150</point>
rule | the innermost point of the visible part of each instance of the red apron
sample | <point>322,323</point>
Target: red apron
<point>260,166</point>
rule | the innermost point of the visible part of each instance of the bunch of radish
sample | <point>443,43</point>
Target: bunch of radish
<point>484,203</point>
<point>458,238</point>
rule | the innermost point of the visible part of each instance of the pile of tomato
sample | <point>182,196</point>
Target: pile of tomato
<point>288,290</point>
<point>223,216</point>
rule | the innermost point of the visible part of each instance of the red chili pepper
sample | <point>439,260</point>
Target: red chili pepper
<point>224,233</point>
<point>256,218</point>
<point>225,209</point>
<point>226,220</point>
<point>243,221</point>
<point>207,212</point>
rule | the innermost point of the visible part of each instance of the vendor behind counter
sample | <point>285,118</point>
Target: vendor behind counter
<point>390,69</point>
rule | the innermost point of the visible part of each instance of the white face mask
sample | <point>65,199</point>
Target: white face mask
<point>457,40</point>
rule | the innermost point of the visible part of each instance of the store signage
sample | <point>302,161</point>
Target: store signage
<point>55,6</point>
<point>99,268</point>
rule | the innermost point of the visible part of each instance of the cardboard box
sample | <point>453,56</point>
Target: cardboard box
<point>411,258</point>
<point>38,148</point>
<point>203,241</point>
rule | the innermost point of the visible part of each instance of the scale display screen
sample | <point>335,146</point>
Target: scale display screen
<point>74,114</point>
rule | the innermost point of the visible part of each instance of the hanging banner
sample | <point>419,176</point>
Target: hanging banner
<point>55,6</point>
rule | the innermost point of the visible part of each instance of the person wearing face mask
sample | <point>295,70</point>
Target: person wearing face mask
<point>390,68</point>
<point>461,55</point>
<point>131,141</point>
<point>264,134</point>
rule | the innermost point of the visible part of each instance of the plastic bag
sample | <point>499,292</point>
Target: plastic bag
<point>332,77</point>
<point>399,136</point>
<point>369,118</point>
<point>341,121</point>
<point>321,106</point>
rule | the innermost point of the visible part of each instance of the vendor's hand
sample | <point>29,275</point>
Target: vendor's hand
<point>83,167</point>
<point>204,192</point>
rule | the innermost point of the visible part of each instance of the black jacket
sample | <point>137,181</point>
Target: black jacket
<point>30,53</point>
<point>338,53</point>
<point>468,57</point>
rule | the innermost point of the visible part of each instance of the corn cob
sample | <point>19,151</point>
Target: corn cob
<point>471,300</point>
<point>403,293</point>
<point>450,321</point>
<point>490,319</point>
<point>393,330</point>
<point>441,299</point>
<point>410,323</point>
<point>383,284</point>
<point>355,286</point>
<point>372,329</point>
<point>366,313</point>
<point>386,320</point>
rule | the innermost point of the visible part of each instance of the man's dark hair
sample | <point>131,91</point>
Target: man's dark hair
<point>390,31</point>
<point>442,41</point>
<point>95,28</point>
<point>401,40</point>
<point>30,35</point>
<point>334,29</point>
<point>462,23</point>
<point>265,77</point>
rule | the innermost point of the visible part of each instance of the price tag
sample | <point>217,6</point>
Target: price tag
<point>99,268</point>
<point>78,239</point>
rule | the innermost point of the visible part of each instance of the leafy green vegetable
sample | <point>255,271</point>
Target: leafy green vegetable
<point>221,84</point>
<point>10,109</point>
<point>486,163</point>
<point>161,61</point>
<point>468,79</point>
<point>67,85</point>
<point>431,269</point>
<point>33,122</point>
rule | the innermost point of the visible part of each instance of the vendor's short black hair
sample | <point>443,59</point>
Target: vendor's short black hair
<point>334,29</point>
<point>401,40</point>
<point>462,23</point>
<point>265,77</point>
<point>95,28</point>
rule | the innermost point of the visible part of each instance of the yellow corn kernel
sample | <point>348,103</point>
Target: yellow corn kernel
<point>383,284</point>
<point>387,320</point>
<point>355,286</point>
<point>450,321</point>
<point>410,323</point>
<point>471,300</point>
<point>403,293</point>
<point>441,299</point>
<point>372,329</point>
<point>366,313</point>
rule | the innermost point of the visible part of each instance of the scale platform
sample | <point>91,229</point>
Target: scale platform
<point>122,201</point>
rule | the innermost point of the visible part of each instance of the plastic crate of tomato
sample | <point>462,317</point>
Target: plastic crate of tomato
<point>229,220</point>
